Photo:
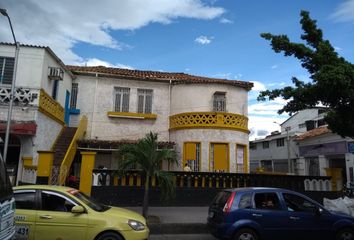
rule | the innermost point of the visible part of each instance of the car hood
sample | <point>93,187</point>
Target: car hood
<point>125,213</point>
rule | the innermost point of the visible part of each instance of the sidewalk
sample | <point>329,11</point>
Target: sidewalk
<point>177,220</point>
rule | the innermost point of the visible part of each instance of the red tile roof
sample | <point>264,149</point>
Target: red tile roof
<point>313,133</point>
<point>176,78</point>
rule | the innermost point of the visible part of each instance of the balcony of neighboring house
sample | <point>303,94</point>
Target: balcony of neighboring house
<point>26,99</point>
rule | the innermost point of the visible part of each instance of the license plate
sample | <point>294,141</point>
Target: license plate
<point>22,232</point>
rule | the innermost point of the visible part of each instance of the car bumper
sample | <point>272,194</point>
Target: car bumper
<point>219,230</point>
<point>136,235</point>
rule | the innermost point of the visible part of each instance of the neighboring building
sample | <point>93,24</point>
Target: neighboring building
<point>205,119</point>
<point>40,109</point>
<point>274,152</point>
<point>321,152</point>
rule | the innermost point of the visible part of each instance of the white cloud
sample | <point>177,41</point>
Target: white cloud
<point>338,49</point>
<point>204,40</point>
<point>260,126</point>
<point>258,86</point>
<point>226,21</point>
<point>267,108</point>
<point>344,12</point>
<point>274,67</point>
<point>98,62</point>
<point>62,24</point>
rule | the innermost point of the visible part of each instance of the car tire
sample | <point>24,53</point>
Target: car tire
<point>246,234</point>
<point>345,234</point>
<point>109,236</point>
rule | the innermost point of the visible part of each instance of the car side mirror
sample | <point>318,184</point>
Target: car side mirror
<point>77,209</point>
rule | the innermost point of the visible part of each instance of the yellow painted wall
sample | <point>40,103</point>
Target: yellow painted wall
<point>87,165</point>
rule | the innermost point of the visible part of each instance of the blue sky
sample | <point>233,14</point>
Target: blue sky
<point>215,38</point>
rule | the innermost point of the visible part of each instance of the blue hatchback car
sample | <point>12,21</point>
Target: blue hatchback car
<point>274,214</point>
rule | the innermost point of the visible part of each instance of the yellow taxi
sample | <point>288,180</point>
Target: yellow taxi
<point>56,212</point>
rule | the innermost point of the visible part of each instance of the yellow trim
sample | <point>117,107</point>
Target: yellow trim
<point>132,115</point>
<point>215,120</point>
<point>70,153</point>
<point>87,164</point>
<point>51,108</point>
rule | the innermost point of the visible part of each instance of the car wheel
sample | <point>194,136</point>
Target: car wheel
<point>109,236</point>
<point>345,234</point>
<point>246,234</point>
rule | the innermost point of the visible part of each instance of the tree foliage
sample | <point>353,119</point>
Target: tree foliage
<point>332,78</point>
<point>147,157</point>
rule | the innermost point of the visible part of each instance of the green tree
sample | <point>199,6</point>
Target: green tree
<point>332,78</point>
<point>147,157</point>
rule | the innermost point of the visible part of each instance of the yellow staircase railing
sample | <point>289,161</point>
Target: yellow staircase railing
<point>70,153</point>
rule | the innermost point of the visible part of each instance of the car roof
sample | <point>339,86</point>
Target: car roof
<point>43,187</point>
<point>247,189</point>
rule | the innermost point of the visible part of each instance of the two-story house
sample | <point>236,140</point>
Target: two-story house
<point>205,119</point>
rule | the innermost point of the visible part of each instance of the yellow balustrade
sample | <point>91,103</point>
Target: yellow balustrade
<point>50,107</point>
<point>217,120</point>
<point>70,153</point>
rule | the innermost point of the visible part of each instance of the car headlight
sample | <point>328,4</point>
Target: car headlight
<point>136,225</point>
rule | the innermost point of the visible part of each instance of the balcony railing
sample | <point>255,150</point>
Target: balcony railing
<point>218,120</point>
<point>50,107</point>
<point>22,95</point>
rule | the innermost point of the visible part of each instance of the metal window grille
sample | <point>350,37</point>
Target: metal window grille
<point>6,70</point>
<point>219,102</point>
<point>74,91</point>
<point>280,142</point>
<point>145,100</point>
<point>121,101</point>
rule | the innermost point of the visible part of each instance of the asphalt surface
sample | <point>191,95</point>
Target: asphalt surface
<point>181,237</point>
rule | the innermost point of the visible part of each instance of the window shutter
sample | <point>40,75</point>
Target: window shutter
<point>117,102</point>
<point>7,70</point>
<point>148,103</point>
<point>141,103</point>
<point>125,105</point>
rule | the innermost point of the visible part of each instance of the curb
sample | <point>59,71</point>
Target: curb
<point>178,228</point>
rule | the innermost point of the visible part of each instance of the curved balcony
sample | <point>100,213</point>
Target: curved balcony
<point>217,120</point>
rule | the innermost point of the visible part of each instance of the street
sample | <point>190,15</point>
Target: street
<point>182,237</point>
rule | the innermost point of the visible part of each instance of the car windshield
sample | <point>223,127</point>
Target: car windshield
<point>89,201</point>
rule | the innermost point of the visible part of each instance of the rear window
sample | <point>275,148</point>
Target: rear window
<point>245,201</point>
<point>221,198</point>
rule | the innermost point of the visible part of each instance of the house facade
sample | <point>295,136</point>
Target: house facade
<point>203,119</point>
<point>41,99</point>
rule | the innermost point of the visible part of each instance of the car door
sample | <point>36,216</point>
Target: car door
<point>305,219</point>
<point>56,220</point>
<point>25,214</point>
<point>270,215</point>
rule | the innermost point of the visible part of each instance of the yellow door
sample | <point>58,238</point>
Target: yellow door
<point>221,157</point>
<point>25,214</point>
<point>56,220</point>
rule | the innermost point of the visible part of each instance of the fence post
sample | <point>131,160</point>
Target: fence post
<point>87,164</point>
<point>44,166</point>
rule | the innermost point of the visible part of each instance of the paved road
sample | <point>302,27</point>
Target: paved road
<point>182,237</point>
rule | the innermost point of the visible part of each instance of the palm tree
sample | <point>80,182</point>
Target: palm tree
<point>146,155</point>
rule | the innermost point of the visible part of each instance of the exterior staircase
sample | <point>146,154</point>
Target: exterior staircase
<point>62,145</point>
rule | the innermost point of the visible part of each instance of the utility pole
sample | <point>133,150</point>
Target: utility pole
<point>12,93</point>
<point>287,129</point>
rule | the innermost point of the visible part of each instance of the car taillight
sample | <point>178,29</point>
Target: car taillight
<point>228,205</point>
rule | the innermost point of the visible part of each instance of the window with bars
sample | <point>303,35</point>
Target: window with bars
<point>144,100</point>
<point>280,142</point>
<point>6,70</point>
<point>121,101</point>
<point>219,102</point>
<point>74,91</point>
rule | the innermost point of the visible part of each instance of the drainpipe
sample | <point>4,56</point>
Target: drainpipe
<point>169,110</point>
<point>94,106</point>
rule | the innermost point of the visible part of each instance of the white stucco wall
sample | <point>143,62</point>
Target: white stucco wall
<point>199,98</point>
<point>299,118</point>
<point>96,99</point>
